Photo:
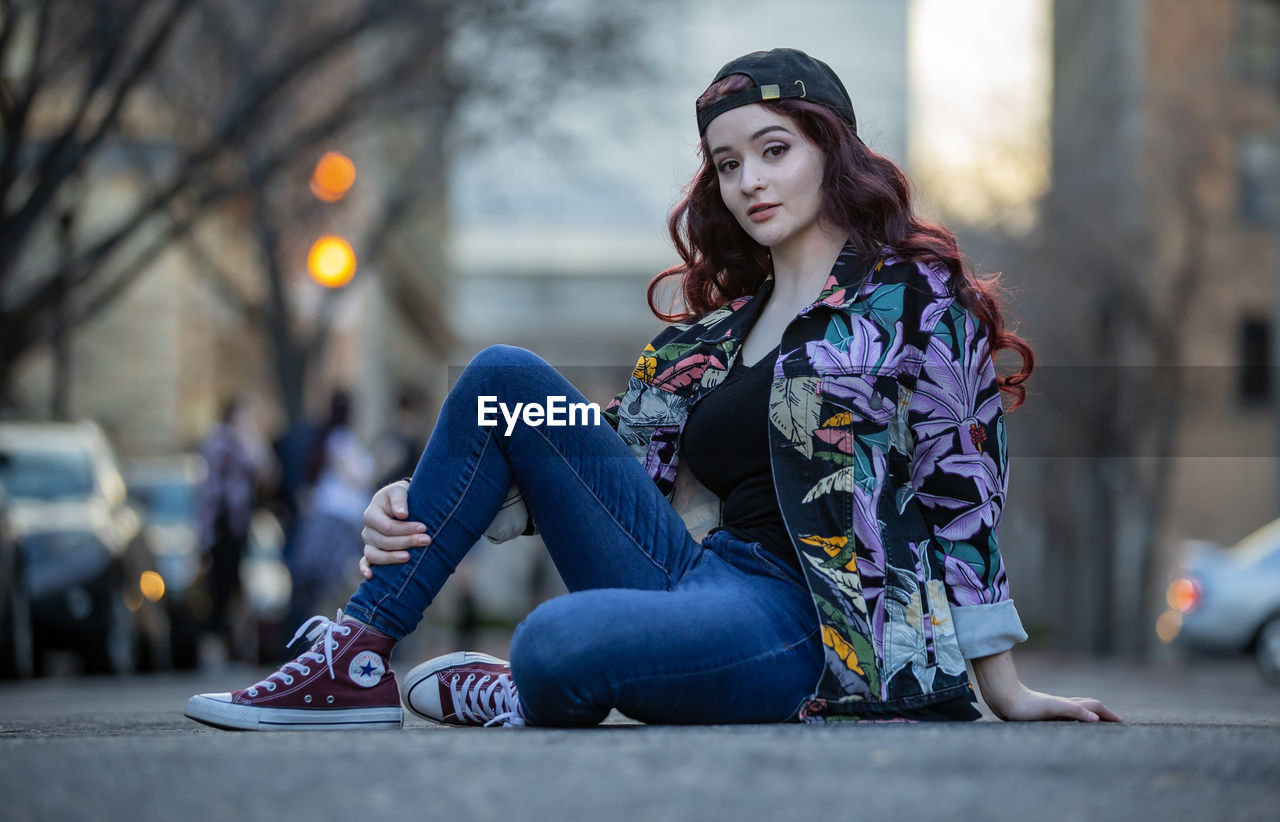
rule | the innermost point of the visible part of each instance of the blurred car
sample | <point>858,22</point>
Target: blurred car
<point>165,491</point>
<point>17,649</point>
<point>89,573</point>
<point>1227,600</point>
<point>266,587</point>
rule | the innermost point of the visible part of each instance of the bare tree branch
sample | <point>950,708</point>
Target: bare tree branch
<point>15,119</point>
<point>219,280</point>
<point>235,125</point>
<point>248,116</point>
<point>259,175</point>
<point>64,156</point>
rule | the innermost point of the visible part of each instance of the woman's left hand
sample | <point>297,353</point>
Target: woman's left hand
<point>1012,701</point>
<point>1026,705</point>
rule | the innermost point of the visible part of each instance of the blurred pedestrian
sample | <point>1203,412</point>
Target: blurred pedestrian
<point>338,473</point>
<point>290,449</point>
<point>835,363</point>
<point>237,459</point>
<point>396,449</point>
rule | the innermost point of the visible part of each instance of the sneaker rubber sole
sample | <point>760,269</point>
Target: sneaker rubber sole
<point>426,670</point>
<point>219,711</point>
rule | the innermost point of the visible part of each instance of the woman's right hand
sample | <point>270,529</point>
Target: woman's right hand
<point>388,534</point>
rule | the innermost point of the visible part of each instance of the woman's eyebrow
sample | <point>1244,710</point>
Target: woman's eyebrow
<point>752,139</point>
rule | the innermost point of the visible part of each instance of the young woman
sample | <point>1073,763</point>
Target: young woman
<point>831,384</point>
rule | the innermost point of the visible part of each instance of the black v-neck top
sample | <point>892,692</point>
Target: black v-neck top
<point>726,444</point>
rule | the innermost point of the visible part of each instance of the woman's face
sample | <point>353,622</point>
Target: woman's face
<point>770,175</point>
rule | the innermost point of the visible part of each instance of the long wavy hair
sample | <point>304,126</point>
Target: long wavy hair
<point>865,194</point>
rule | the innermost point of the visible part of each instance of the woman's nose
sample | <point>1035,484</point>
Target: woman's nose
<point>752,179</point>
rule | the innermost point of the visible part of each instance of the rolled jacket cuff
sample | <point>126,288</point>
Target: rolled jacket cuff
<point>983,630</point>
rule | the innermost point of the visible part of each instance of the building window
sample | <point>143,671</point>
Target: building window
<point>1257,179</point>
<point>1255,360</point>
<point>1257,33</point>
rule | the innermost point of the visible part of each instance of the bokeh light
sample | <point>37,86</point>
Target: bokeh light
<point>152,585</point>
<point>1182,595</point>
<point>331,261</point>
<point>333,177</point>
<point>1168,625</point>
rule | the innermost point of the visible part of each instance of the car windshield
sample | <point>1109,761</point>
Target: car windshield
<point>166,502</point>
<point>46,475</point>
<point>1269,562</point>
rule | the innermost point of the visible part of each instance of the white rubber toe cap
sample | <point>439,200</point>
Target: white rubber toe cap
<point>420,690</point>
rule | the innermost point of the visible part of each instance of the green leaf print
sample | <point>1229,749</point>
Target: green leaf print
<point>884,307</point>
<point>861,646</point>
<point>865,472</point>
<point>673,351</point>
<point>866,653</point>
<point>966,552</point>
<point>794,411</point>
<point>841,559</point>
<point>837,333</point>
<point>944,330</point>
<point>833,456</point>
<point>836,617</point>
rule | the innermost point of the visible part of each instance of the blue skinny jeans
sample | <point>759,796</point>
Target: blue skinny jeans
<point>655,624</point>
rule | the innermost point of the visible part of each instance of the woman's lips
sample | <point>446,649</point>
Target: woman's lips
<point>762,214</point>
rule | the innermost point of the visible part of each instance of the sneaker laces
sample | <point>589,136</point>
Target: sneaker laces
<point>498,702</point>
<point>317,628</point>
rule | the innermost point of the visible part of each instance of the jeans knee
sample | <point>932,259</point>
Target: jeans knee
<point>547,664</point>
<point>505,371</point>
<point>553,646</point>
<point>505,355</point>
<point>537,649</point>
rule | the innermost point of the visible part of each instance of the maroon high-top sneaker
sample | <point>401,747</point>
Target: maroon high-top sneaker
<point>464,688</point>
<point>342,683</point>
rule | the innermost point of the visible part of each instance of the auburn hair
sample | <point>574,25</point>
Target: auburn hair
<point>865,194</point>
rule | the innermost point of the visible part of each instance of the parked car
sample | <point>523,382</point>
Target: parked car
<point>17,649</point>
<point>164,490</point>
<point>1228,599</point>
<point>91,577</point>
<point>267,587</point>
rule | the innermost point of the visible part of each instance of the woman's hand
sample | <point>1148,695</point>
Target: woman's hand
<point>1028,706</point>
<point>387,534</point>
<point>1012,701</point>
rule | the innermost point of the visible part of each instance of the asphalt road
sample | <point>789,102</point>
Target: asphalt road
<point>1201,742</point>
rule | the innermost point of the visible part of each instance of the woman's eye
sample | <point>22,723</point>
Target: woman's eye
<point>776,150</point>
<point>727,166</point>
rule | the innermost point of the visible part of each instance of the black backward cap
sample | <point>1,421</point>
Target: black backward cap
<point>780,74</point>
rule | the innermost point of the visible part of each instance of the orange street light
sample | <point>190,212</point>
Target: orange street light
<point>331,261</point>
<point>333,177</point>
<point>152,585</point>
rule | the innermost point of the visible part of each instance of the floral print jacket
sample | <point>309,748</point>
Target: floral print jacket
<point>887,442</point>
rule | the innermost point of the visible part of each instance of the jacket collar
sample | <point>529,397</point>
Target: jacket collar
<point>844,284</point>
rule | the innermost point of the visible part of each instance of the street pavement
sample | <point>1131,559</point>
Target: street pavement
<point>1201,742</point>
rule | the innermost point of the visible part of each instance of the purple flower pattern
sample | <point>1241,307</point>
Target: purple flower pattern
<point>960,467</point>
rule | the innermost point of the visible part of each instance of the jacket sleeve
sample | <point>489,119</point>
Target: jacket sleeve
<point>959,472</point>
<point>610,412</point>
<point>644,369</point>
